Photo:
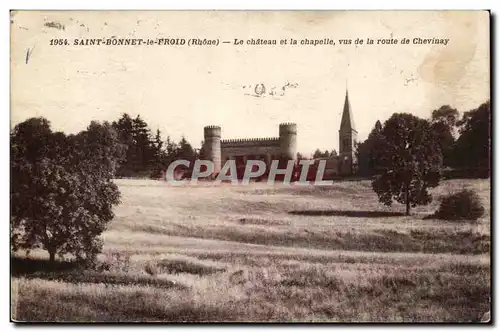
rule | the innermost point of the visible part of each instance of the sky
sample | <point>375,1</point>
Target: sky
<point>181,89</point>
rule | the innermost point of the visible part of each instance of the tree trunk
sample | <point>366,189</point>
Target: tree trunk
<point>407,199</point>
<point>52,255</point>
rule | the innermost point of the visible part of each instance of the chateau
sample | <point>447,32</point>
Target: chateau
<point>283,147</point>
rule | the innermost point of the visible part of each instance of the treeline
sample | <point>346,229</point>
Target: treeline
<point>464,143</point>
<point>327,154</point>
<point>147,154</point>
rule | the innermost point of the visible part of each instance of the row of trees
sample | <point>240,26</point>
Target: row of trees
<point>327,154</point>
<point>147,154</point>
<point>464,143</point>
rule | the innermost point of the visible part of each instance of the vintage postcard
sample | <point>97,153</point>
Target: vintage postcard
<point>250,166</point>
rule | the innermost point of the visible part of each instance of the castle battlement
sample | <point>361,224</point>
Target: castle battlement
<point>250,141</point>
<point>212,127</point>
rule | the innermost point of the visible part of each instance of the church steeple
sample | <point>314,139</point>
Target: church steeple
<point>347,122</point>
<point>347,140</point>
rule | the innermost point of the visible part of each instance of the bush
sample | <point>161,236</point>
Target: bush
<point>464,205</point>
<point>175,266</point>
<point>151,268</point>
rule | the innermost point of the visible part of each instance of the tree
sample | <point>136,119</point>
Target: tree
<point>158,155</point>
<point>171,149</point>
<point>201,151</point>
<point>366,151</point>
<point>142,145</point>
<point>144,152</point>
<point>185,150</point>
<point>158,145</point>
<point>62,192</point>
<point>171,146</point>
<point>124,128</point>
<point>409,160</point>
<point>473,147</point>
<point>99,149</point>
<point>30,150</point>
<point>443,123</point>
<point>445,114</point>
<point>319,154</point>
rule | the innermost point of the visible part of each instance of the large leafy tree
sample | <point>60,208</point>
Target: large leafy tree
<point>443,121</point>
<point>446,115</point>
<point>62,192</point>
<point>367,151</point>
<point>473,147</point>
<point>409,160</point>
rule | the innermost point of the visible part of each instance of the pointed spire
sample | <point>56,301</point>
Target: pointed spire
<point>347,122</point>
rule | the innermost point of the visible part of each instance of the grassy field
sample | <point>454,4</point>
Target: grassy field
<point>271,253</point>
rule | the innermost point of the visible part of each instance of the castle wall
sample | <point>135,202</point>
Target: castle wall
<point>265,149</point>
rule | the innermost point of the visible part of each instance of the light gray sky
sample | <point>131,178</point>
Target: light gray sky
<point>181,89</point>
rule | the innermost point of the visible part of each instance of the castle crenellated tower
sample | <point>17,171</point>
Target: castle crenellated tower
<point>212,146</point>
<point>241,150</point>
<point>288,140</point>
<point>347,140</point>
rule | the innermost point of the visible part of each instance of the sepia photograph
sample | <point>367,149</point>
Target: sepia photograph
<point>279,166</point>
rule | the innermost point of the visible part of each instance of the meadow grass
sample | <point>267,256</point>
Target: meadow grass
<point>271,253</point>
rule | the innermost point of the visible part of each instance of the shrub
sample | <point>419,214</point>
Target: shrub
<point>151,268</point>
<point>464,205</point>
<point>182,266</point>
